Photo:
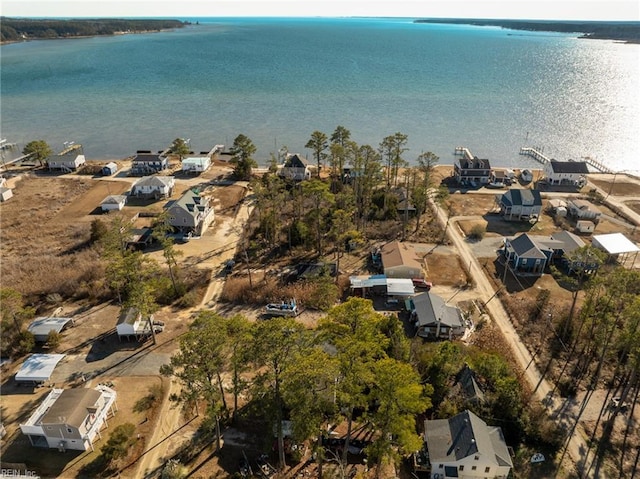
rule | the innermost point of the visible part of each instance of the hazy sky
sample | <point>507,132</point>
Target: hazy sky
<point>527,9</point>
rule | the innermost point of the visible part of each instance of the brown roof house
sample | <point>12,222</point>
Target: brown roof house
<point>70,418</point>
<point>404,260</point>
<point>465,447</point>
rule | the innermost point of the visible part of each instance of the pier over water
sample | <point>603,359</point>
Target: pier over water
<point>537,155</point>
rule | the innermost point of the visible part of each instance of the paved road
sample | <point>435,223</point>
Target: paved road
<point>541,387</point>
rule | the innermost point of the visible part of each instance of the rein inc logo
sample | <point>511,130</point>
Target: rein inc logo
<point>17,473</point>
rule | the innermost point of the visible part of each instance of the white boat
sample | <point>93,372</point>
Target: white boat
<point>286,308</point>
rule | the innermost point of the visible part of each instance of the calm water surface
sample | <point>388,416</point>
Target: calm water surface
<point>278,80</point>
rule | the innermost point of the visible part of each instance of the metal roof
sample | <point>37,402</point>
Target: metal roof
<point>38,367</point>
<point>400,287</point>
<point>615,243</point>
<point>43,326</point>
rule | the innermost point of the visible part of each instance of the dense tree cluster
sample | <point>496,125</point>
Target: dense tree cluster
<point>16,29</point>
<point>627,31</point>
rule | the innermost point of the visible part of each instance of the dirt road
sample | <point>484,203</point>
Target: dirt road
<point>226,238</point>
<point>541,387</point>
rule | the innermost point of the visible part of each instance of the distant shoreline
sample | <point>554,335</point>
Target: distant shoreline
<point>623,32</point>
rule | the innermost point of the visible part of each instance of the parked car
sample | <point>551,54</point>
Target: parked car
<point>421,283</point>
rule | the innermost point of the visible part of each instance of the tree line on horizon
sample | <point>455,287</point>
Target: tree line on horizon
<point>16,29</point>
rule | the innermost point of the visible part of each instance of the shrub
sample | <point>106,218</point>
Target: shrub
<point>147,402</point>
<point>99,230</point>
<point>323,295</point>
<point>53,339</point>
<point>477,232</point>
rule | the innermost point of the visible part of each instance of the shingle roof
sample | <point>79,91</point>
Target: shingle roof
<point>294,161</point>
<point>144,157</point>
<point>570,242</point>
<point>579,167</point>
<point>154,181</point>
<point>463,435</point>
<point>403,254</point>
<point>474,164</point>
<point>523,245</point>
<point>430,308</point>
<point>517,196</point>
<point>71,407</point>
<point>114,199</point>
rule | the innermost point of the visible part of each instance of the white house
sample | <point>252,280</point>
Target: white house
<point>153,187</point>
<point>70,418</point>
<point>295,168</point>
<point>68,159</point>
<point>465,447</point>
<point>566,172</point>
<point>196,164</point>
<point>113,203</point>
<point>132,324</point>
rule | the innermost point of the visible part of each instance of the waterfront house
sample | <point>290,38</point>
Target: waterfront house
<point>528,255</point>
<point>69,159</point>
<point>572,173</point>
<point>70,418</point>
<point>434,319</point>
<point>465,447</point>
<point>191,213</point>
<point>295,168</point>
<point>520,204</point>
<point>583,210</point>
<point>404,260</point>
<point>147,163</point>
<point>113,203</point>
<point>472,170</point>
<point>196,164</point>
<point>153,187</point>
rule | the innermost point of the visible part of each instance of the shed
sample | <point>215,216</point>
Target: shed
<point>585,226</point>
<point>5,193</point>
<point>113,203</point>
<point>41,327</point>
<point>109,169</point>
<point>38,367</point>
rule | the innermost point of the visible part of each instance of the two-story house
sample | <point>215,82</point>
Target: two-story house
<point>571,173</point>
<point>191,213</point>
<point>70,418</point>
<point>434,319</point>
<point>520,204</point>
<point>472,170</point>
<point>527,254</point>
<point>295,168</point>
<point>153,187</point>
<point>147,163</point>
<point>465,447</point>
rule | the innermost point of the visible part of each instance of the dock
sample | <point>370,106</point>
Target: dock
<point>464,151</point>
<point>536,154</point>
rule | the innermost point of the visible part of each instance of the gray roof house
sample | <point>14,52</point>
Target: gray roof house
<point>520,204</point>
<point>466,386</point>
<point>113,203</point>
<point>435,319</point>
<point>527,254</point>
<point>191,213</point>
<point>465,447</point>
<point>295,168</point>
<point>153,187</point>
<point>68,159</point>
<point>70,418</point>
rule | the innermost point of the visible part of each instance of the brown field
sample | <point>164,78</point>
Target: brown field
<point>634,205</point>
<point>621,187</point>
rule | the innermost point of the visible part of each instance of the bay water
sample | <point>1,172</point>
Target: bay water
<point>277,80</point>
